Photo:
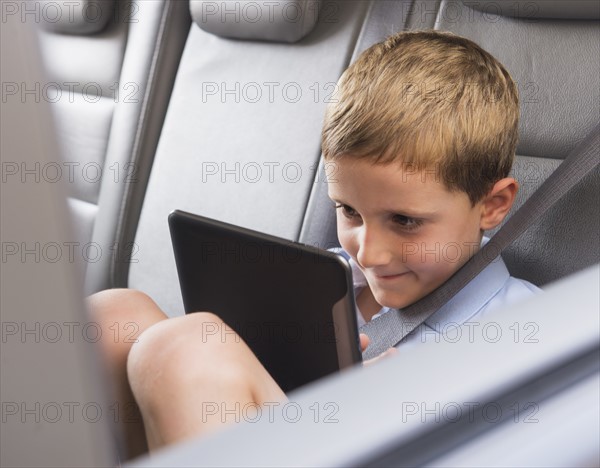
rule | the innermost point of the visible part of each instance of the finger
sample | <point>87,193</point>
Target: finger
<point>364,341</point>
<point>385,354</point>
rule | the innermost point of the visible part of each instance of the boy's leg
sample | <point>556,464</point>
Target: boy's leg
<point>192,375</point>
<point>123,314</point>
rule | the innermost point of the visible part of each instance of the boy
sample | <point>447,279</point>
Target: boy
<point>420,142</point>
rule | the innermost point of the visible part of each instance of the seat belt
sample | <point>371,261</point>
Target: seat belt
<point>392,327</point>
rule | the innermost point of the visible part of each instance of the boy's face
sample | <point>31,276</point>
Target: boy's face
<point>407,232</point>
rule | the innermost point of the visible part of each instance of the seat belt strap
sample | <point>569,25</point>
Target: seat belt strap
<point>392,327</point>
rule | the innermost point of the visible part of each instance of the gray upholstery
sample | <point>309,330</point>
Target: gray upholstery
<point>571,9</point>
<point>215,124</point>
<point>76,17</point>
<point>558,109</point>
<point>565,239</point>
<point>114,90</point>
<point>280,21</point>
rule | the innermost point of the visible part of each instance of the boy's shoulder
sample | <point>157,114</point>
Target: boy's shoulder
<point>493,288</point>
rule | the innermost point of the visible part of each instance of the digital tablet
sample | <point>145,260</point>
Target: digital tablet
<point>293,304</point>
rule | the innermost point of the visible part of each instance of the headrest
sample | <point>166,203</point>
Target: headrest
<point>75,16</point>
<point>549,9</point>
<point>275,20</point>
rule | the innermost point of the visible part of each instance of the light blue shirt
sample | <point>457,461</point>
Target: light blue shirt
<point>489,290</point>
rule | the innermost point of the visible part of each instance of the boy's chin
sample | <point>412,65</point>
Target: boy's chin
<point>395,300</point>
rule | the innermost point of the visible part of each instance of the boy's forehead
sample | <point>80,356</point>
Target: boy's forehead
<point>348,172</point>
<point>391,188</point>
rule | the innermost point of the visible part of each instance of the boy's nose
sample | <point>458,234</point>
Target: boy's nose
<point>373,249</point>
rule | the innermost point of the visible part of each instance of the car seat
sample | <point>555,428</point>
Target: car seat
<point>110,68</point>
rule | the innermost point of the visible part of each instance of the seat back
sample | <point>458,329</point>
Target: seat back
<point>241,139</point>
<point>110,67</point>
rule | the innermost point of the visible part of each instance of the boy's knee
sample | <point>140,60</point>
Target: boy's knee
<point>120,298</point>
<point>176,340</point>
<point>122,315</point>
<point>183,350</point>
<point>124,306</point>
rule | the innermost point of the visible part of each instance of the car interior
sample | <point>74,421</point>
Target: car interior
<point>117,112</point>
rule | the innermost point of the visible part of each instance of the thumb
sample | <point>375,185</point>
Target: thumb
<point>385,354</point>
<point>364,341</point>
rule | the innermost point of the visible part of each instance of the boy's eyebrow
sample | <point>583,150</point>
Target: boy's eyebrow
<point>406,212</point>
<point>413,214</point>
<point>335,200</point>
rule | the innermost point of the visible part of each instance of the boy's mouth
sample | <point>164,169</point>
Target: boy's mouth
<point>389,277</point>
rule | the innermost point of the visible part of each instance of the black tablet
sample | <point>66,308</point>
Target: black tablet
<point>293,304</point>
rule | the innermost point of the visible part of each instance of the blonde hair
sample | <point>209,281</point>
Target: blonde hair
<point>429,100</point>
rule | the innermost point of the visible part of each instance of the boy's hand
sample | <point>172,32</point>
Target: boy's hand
<point>364,342</point>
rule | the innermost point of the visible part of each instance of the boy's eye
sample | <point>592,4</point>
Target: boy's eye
<point>407,222</point>
<point>347,211</point>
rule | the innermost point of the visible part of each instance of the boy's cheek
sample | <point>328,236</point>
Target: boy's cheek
<point>347,243</point>
<point>432,255</point>
<point>432,269</point>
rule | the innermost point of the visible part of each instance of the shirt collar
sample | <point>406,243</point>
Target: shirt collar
<point>473,297</point>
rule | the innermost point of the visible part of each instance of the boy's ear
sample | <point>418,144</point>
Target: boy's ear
<point>498,202</point>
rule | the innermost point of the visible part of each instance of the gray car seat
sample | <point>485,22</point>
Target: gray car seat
<point>110,68</point>
<point>240,141</point>
<point>541,44</point>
